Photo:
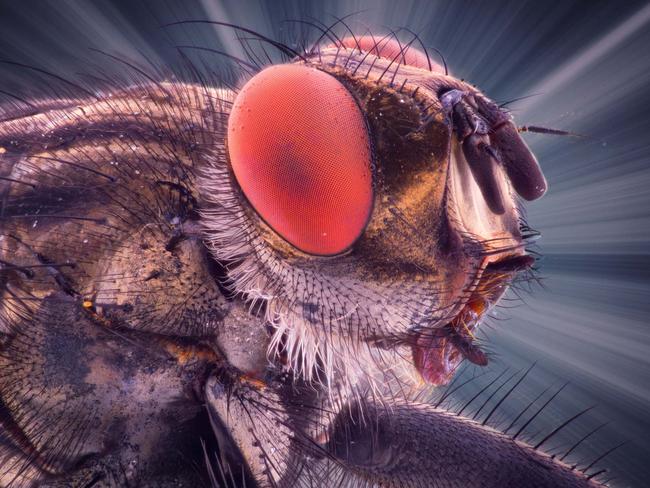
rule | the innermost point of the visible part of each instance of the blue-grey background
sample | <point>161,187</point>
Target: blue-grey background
<point>587,63</point>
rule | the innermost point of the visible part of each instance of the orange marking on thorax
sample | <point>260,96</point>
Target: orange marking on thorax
<point>184,354</point>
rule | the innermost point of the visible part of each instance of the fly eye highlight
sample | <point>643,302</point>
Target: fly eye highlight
<point>300,151</point>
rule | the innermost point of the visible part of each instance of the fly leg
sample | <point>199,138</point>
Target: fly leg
<point>405,444</point>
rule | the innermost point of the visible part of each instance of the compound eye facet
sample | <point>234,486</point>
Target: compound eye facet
<point>300,151</point>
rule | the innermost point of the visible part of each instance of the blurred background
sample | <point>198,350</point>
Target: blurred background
<point>581,66</point>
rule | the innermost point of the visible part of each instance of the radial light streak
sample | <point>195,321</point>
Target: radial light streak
<point>571,69</point>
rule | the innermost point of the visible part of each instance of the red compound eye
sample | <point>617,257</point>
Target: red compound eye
<point>389,48</point>
<point>300,151</point>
